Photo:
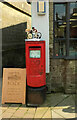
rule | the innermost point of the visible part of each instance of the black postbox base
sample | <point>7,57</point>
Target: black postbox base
<point>36,96</point>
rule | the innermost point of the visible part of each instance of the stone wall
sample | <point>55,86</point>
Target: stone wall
<point>62,74</point>
<point>48,76</point>
<point>70,85</point>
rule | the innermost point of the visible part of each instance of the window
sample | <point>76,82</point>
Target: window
<point>65,30</point>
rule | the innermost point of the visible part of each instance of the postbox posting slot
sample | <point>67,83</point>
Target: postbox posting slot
<point>35,52</point>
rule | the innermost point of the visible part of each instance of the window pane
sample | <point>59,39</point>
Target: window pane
<point>73,48</point>
<point>60,12</point>
<point>73,29</point>
<point>60,29</point>
<point>73,20</point>
<point>73,10</point>
<point>60,49</point>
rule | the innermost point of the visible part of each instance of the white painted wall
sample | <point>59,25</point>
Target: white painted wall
<point>41,23</point>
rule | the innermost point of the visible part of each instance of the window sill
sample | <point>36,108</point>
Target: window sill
<point>58,57</point>
<point>71,58</point>
<point>64,57</point>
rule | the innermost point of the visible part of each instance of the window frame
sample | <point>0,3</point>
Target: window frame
<point>68,38</point>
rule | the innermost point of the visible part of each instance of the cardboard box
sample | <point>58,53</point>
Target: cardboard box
<point>14,85</point>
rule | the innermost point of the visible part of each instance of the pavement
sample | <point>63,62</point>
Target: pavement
<point>57,106</point>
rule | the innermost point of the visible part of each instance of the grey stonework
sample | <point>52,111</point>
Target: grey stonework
<point>62,76</point>
<point>48,76</point>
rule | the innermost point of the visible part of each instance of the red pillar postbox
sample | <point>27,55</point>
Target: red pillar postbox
<point>35,63</point>
<point>36,73</point>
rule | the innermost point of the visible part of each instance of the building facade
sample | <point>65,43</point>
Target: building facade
<point>59,29</point>
<point>62,45</point>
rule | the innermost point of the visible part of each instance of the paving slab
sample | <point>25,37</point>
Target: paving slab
<point>20,113</point>
<point>6,115</point>
<point>64,114</point>
<point>40,111</point>
<point>0,117</point>
<point>54,99</point>
<point>46,102</point>
<point>0,112</point>
<point>9,110</point>
<point>69,101</point>
<point>74,97</point>
<point>14,106</point>
<point>30,113</point>
<point>0,100</point>
<point>3,108</point>
<point>47,114</point>
<point>31,116</point>
<point>23,108</point>
<point>66,108</point>
<point>56,116</point>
